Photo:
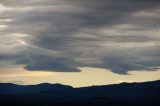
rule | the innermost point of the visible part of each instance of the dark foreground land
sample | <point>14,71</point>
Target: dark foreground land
<point>124,94</point>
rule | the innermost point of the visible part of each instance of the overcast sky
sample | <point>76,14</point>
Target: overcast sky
<point>65,35</point>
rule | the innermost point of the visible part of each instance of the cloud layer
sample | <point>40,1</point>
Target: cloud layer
<point>62,35</point>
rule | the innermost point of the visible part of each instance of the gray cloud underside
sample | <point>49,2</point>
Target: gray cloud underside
<point>120,35</point>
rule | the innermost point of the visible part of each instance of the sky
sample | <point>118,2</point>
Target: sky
<point>79,42</point>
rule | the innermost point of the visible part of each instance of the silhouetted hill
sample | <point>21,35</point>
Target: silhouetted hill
<point>9,88</point>
<point>124,94</point>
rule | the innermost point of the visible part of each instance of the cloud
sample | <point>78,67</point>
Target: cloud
<point>133,59</point>
<point>60,35</point>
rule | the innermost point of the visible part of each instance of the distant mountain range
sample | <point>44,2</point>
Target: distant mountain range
<point>124,94</point>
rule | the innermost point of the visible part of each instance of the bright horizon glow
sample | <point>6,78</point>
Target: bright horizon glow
<point>87,77</point>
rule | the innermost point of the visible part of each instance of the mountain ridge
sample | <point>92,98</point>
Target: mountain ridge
<point>45,94</point>
<point>52,84</point>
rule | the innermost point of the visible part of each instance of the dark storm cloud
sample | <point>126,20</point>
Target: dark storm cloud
<point>121,61</point>
<point>120,35</point>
